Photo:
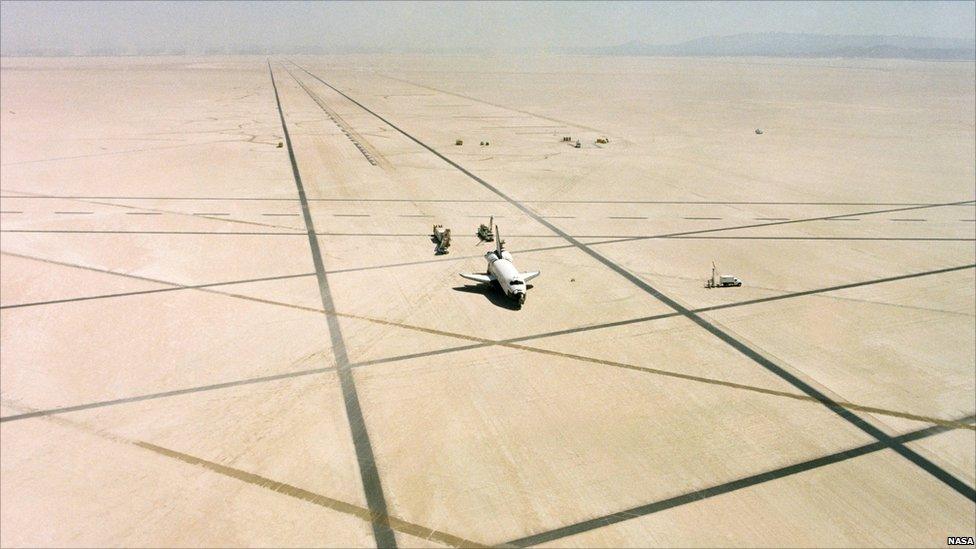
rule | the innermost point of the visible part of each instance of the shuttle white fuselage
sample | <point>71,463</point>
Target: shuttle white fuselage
<point>501,269</point>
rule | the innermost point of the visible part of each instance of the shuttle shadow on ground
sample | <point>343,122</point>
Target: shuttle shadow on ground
<point>493,293</point>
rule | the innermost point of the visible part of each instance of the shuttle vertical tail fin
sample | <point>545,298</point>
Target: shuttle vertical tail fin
<point>499,243</point>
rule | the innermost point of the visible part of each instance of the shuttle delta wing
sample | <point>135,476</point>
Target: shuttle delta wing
<point>484,279</point>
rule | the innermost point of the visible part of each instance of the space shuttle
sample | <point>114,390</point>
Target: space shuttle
<point>502,271</point>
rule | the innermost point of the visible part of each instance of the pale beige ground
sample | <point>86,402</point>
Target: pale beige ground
<point>176,161</point>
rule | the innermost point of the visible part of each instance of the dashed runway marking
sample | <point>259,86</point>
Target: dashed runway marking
<point>489,201</point>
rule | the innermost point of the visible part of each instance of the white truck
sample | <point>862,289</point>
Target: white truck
<point>729,280</point>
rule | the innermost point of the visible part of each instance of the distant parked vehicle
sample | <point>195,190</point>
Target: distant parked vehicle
<point>723,281</point>
<point>729,280</point>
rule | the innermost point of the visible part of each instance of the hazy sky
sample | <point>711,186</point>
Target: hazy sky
<point>79,26</point>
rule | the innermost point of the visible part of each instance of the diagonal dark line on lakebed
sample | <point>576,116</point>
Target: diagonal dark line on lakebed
<point>369,474</point>
<point>165,394</point>
<point>712,491</point>
<point>511,342</point>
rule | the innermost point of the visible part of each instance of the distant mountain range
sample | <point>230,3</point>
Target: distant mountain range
<point>800,45</point>
<point>736,45</point>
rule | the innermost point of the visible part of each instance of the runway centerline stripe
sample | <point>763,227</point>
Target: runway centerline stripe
<point>724,488</point>
<point>852,418</point>
<point>369,474</point>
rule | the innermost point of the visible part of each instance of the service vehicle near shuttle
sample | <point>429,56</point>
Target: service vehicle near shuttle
<point>729,280</point>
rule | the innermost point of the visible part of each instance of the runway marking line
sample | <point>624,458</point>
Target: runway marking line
<point>369,474</point>
<point>628,202</point>
<point>479,341</point>
<point>283,488</point>
<point>511,342</point>
<point>724,488</point>
<point>613,239</point>
<point>382,521</point>
<point>143,209</point>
